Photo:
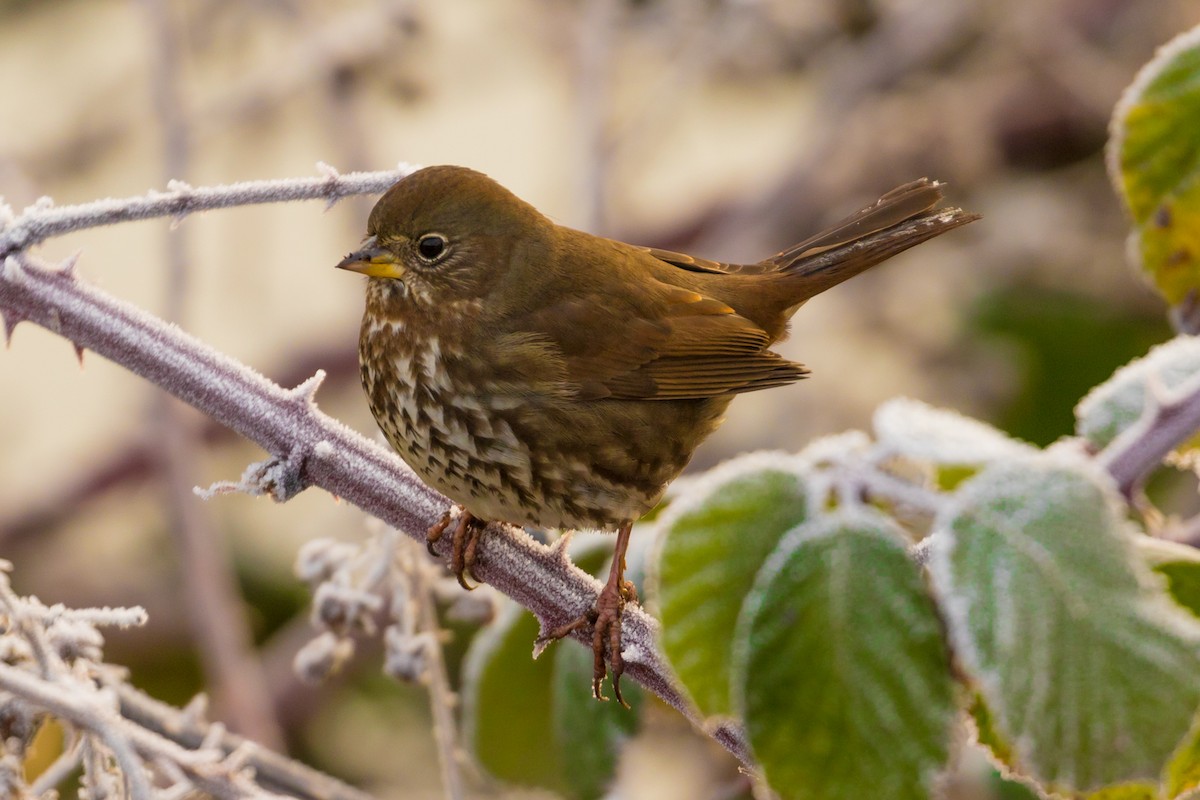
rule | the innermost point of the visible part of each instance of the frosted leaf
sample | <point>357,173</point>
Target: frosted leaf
<point>1119,402</point>
<point>507,703</point>
<point>712,545</point>
<point>833,449</point>
<point>1088,667</point>
<point>921,432</point>
<point>1154,164</point>
<point>840,669</point>
<point>590,734</point>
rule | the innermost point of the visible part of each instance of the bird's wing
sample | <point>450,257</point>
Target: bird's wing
<point>674,345</point>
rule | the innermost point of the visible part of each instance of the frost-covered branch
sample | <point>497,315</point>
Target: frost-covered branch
<point>272,771</point>
<point>50,663</point>
<point>308,447</point>
<point>389,582</point>
<point>1169,418</point>
<point>43,220</point>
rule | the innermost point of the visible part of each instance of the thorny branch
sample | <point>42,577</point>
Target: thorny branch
<point>307,447</point>
<point>44,220</point>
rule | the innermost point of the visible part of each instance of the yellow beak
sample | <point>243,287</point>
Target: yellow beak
<point>372,260</point>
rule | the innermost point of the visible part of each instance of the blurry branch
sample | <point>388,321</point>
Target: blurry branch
<point>118,739</point>
<point>388,582</point>
<point>596,31</point>
<point>351,41</point>
<point>427,630</point>
<point>829,169</point>
<point>135,461</point>
<point>272,771</point>
<point>213,602</point>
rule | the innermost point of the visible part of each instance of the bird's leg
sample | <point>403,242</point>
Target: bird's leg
<point>605,618</point>
<point>464,541</point>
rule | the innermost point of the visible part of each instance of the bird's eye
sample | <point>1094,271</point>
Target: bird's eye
<point>431,246</point>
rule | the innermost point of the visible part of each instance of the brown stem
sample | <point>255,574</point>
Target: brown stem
<point>1169,419</point>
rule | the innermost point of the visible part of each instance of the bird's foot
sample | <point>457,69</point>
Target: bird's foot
<point>464,542</point>
<point>604,617</point>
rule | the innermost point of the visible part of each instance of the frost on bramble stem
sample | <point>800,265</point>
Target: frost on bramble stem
<point>51,668</point>
<point>1136,388</point>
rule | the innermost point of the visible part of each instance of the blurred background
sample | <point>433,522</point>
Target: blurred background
<point>725,128</point>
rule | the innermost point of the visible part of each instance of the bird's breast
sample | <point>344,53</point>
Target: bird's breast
<point>521,456</point>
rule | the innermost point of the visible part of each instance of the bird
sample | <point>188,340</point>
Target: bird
<point>544,376</point>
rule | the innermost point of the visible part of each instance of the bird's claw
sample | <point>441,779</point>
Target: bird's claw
<point>604,618</point>
<point>464,543</point>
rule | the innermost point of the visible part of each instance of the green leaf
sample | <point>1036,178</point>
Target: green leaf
<point>921,432</point>
<point>591,733</point>
<point>1154,159</point>
<point>1093,675</point>
<point>987,735</point>
<point>842,674</point>
<point>1127,791</point>
<point>534,722</point>
<point>1002,788</point>
<point>1117,404</point>
<point>1183,773</point>
<point>507,720</point>
<point>1179,564</point>
<point>713,542</point>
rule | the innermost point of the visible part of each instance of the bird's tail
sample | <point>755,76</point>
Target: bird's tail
<point>902,218</point>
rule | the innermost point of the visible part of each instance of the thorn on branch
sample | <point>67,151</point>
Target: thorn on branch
<point>67,267</point>
<point>332,177</point>
<point>559,548</point>
<point>11,321</point>
<point>43,203</point>
<point>306,391</point>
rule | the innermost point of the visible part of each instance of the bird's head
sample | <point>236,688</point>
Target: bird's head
<point>442,234</point>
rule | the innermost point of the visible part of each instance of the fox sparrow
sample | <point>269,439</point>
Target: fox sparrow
<point>544,376</point>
